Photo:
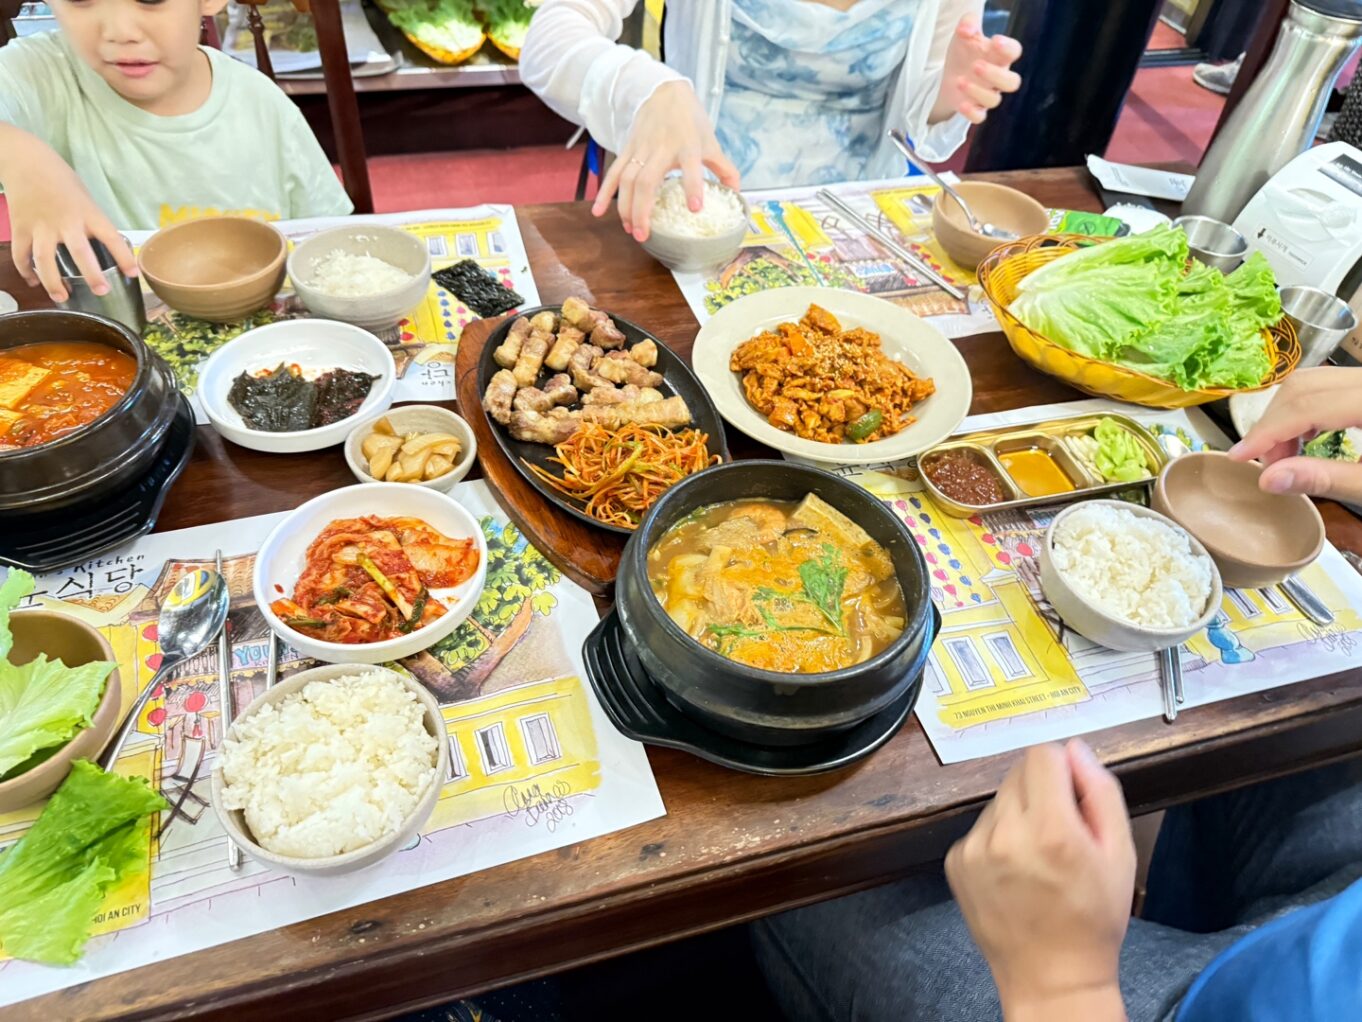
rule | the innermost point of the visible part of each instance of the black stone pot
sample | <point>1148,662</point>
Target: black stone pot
<point>768,707</point>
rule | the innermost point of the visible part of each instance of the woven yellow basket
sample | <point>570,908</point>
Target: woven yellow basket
<point>1003,269</point>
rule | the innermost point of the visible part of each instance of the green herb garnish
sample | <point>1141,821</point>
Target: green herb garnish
<point>825,580</point>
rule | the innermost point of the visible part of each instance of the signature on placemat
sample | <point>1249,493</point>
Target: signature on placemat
<point>534,803</point>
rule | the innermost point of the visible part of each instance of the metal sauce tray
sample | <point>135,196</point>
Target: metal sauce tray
<point>990,446</point>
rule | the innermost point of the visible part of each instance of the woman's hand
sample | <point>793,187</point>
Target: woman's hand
<point>1310,401</point>
<point>1044,880</point>
<point>977,73</point>
<point>48,206</point>
<point>670,131</point>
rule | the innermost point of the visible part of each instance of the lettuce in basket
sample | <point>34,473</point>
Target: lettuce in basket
<point>508,21</point>
<point>43,703</point>
<point>448,25</point>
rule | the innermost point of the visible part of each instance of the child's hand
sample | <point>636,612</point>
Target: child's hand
<point>1310,401</point>
<point>49,206</point>
<point>977,73</point>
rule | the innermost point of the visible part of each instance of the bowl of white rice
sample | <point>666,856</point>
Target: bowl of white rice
<point>366,274</point>
<point>1127,577</point>
<point>686,241</point>
<point>331,770</point>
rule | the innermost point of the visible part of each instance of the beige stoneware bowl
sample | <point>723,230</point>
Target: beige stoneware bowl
<point>995,204</point>
<point>416,419</point>
<point>73,642</point>
<point>1256,539</point>
<point>219,268</point>
<point>1107,629</point>
<point>234,821</point>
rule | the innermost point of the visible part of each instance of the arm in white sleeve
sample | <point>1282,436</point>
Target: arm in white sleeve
<point>937,141</point>
<point>571,61</point>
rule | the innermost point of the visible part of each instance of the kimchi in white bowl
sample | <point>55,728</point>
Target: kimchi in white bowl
<point>371,573</point>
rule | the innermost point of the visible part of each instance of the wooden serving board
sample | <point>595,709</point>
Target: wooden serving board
<point>587,555</point>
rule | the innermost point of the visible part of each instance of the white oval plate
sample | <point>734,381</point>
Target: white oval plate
<point>904,337</point>
<point>284,553</point>
<point>316,345</point>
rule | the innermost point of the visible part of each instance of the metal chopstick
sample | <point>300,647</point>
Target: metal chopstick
<point>893,246</point>
<point>225,698</point>
<point>1167,681</point>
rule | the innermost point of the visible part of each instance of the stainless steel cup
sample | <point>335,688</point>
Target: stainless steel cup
<point>1213,242</point>
<point>1321,320</point>
<point>123,302</point>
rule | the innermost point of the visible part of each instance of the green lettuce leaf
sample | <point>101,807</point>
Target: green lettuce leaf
<point>451,25</point>
<point>1119,458</point>
<point>1095,299</point>
<point>18,584</point>
<point>508,21</point>
<point>91,836</point>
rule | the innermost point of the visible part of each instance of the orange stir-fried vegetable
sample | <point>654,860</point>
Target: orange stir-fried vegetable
<point>620,473</point>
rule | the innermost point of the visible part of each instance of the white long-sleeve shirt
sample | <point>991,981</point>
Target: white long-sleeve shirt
<point>572,62</point>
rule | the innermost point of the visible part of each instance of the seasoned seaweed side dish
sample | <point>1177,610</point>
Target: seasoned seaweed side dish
<point>479,289</point>
<point>280,400</point>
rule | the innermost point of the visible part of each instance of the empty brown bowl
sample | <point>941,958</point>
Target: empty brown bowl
<point>73,642</point>
<point>219,269</point>
<point>1256,539</point>
<point>994,204</point>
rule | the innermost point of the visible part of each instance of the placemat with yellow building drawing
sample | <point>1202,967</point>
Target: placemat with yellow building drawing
<point>423,344</point>
<point>535,764</point>
<point>1005,673</point>
<point>796,239</point>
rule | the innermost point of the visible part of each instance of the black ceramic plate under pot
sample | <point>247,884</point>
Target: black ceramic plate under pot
<point>677,379</point>
<point>48,540</point>
<point>640,710</point>
<point>106,454</point>
<point>768,707</point>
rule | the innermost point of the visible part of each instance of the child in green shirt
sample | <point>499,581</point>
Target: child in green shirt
<point>122,121</point>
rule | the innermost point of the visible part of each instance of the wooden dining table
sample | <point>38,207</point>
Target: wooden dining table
<point>731,847</point>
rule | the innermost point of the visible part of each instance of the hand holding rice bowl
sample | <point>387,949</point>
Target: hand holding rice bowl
<point>331,770</point>
<point>686,241</point>
<point>1127,577</point>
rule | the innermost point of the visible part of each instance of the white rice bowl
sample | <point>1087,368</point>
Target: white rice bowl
<point>1136,568</point>
<point>342,274</point>
<point>331,768</point>
<point>721,213</point>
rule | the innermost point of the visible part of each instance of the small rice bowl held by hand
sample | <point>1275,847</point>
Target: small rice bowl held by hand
<point>1136,568</point>
<point>721,213</point>
<point>331,768</point>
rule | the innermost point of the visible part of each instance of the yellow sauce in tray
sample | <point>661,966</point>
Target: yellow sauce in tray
<point>1036,473</point>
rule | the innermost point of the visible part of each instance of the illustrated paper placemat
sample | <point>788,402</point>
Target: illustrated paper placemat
<point>423,345</point>
<point>536,765</point>
<point>1005,673</point>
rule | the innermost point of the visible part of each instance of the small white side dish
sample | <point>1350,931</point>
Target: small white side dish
<point>283,554</point>
<point>314,344</point>
<point>416,419</point>
<point>376,312</point>
<point>1092,622</point>
<point>233,820</point>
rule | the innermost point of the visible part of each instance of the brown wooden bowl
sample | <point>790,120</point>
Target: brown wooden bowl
<point>73,642</point>
<point>1256,539</point>
<point>995,204</point>
<point>219,269</point>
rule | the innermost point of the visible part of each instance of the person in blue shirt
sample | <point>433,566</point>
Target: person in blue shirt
<point>1254,904</point>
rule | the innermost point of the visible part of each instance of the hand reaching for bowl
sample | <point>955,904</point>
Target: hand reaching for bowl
<point>670,131</point>
<point>1311,401</point>
<point>1044,881</point>
<point>978,71</point>
<point>48,206</point>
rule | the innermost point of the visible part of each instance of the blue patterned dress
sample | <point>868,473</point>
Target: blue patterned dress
<point>806,88</point>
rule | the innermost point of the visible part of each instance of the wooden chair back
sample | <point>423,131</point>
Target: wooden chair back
<point>9,10</point>
<point>341,100</point>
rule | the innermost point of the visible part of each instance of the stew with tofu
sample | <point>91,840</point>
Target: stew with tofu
<point>50,388</point>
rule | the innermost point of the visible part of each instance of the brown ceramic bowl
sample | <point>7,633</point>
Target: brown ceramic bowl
<point>73,642</point>
<point>1256,539</point>
<point>219,269</point>
<point>995,204</point>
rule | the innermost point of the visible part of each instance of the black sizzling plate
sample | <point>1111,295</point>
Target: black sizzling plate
<point>677,379</point>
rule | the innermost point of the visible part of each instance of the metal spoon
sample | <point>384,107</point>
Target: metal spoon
<point>978,226</point>
<point>191,617</point>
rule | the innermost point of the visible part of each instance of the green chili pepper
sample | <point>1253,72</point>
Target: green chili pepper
<point>865,425</point>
